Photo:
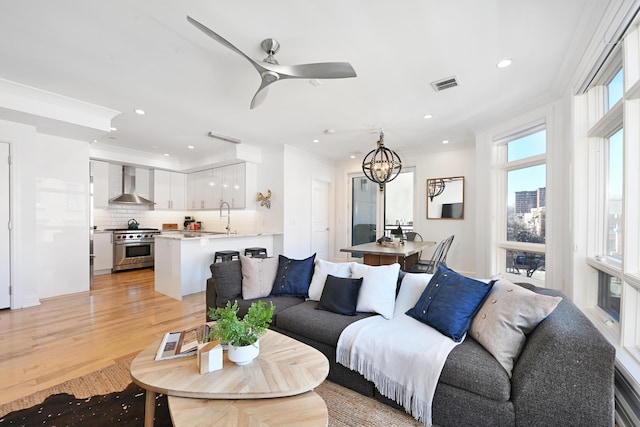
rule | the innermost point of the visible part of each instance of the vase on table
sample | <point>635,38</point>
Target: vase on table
<point>245,354</point>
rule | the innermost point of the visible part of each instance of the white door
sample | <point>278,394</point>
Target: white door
<point>320,219</point>
<point>5,296</point>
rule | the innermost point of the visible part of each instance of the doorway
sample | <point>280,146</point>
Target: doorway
<point>374,212</point>
<point>5,242</point>
<point>320,219</point>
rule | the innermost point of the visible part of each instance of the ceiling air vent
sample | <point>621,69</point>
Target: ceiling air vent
<point>443,84</point>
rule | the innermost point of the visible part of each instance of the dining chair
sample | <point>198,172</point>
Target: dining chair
<point>439,256</point>
<point>411,236</point>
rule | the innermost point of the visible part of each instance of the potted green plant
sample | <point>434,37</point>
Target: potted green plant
<point>241,335</point>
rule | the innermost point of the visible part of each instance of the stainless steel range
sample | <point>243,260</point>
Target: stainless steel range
<point>133,248</point>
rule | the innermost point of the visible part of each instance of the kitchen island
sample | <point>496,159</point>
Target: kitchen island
<point>182,259</point>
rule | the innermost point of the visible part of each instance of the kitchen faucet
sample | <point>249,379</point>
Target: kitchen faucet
<point>228,227</point>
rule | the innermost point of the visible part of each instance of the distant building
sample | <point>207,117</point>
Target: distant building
<point>526,201</point>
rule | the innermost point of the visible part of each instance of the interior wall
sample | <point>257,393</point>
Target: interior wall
<point>427,164</point>
<point>300,169</point>
<point>62,215</point>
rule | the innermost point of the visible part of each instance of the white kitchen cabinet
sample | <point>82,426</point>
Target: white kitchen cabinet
<point>100,179</point>
<point>102,252</point>
<point>234,185</point>
<point>115,180</point>
<point>169,190</point>
<point>195,197</point>
<point>203,187</point>
<point>208,188</point>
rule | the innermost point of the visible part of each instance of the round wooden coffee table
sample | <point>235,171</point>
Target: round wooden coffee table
<point>284,368</point>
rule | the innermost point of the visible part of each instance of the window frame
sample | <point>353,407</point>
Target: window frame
<point>603,123</point>
<point>502,168</point>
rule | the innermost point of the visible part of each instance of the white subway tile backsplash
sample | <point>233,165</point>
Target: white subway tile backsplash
<point>117,216</point>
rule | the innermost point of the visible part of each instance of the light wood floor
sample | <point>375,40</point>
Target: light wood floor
<point>69,336</point>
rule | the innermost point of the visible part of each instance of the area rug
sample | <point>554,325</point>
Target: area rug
<point>107,397</point>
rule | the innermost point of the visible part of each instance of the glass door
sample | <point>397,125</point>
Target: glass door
<point>373,211</point>
<point>364,196</point>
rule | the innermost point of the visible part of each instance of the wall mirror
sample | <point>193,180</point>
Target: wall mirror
<point>445,198</point>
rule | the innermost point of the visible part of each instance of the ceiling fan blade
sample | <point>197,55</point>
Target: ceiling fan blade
<point>217,37</point>
<point>260,95</point>
<point>323,70</point>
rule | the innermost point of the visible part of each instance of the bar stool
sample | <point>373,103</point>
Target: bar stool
<point>225,256</point>
<point>256,252</point>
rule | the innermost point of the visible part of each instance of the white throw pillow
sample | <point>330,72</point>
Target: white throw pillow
<point>258,275</point>
<point>320,271</point>
<point>378,290</point>
<point>508,314</point>
<point>413,285</point>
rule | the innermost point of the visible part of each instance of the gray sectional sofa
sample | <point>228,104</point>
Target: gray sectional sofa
<point>563,376</point>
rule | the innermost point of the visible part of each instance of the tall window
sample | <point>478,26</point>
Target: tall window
<point>611,107</point>
<point>614,216</point>
<point>523,172</point>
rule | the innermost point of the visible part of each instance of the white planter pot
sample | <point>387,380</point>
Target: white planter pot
<point>244,355</point>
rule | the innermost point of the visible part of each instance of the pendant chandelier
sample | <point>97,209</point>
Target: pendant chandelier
<point>381,165</point>
<point>435,187</point>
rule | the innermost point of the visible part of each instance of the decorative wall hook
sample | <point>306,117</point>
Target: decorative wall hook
<point>264,200</point>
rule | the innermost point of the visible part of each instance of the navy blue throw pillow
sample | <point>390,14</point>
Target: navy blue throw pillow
<point>293,277</point>
<point>340,295</point>
<point>449,302</point>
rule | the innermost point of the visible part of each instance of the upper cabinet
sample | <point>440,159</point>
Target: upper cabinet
<point>169,190</point>
<point>100,181</point>
<point>207,189</point>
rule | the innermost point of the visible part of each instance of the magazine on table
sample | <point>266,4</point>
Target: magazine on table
<point>179,344</point>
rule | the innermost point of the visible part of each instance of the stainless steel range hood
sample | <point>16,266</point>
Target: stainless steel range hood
<point>128,195</point>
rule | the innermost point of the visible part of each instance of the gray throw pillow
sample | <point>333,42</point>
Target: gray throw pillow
<point>227,278</point>
<point>258,275</point>
<point>509,313</point>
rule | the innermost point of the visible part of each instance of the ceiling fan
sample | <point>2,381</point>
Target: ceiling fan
<point>271,71</point>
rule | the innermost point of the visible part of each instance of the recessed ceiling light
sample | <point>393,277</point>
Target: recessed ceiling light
<point>446,141</point>
<point>353,156</point>
<point>190,147</point>
<point>167,154</point>
<point>95,140</point>
<point>139,111</point>
<point>112,129</point>
<point>503,63</point>
<point>428,116</point>
<point>315,141</point>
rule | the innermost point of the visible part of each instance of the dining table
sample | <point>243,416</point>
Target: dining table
<point>406,253</point>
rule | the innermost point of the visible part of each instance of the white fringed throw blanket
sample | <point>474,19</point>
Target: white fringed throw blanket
<point>401,356</point>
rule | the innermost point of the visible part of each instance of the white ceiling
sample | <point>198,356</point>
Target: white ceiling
<point>128,54</point>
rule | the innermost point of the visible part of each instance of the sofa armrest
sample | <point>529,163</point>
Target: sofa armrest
<point>564,375</point>
<point>211,297</point>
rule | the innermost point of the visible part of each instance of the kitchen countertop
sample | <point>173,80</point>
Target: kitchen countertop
<point>190,235</point>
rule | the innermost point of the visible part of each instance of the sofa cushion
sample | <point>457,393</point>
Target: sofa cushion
<point>281,303</point>
<point>470,367</point>
<point>318,325</point>
<point>320,271</point>
<point>340,295</point>
<point>293,276</point>
<point>449,302</point>
<point>258,275</point>
<point>378,290</point>
<point>506,317</point>
<point>227,277</point>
